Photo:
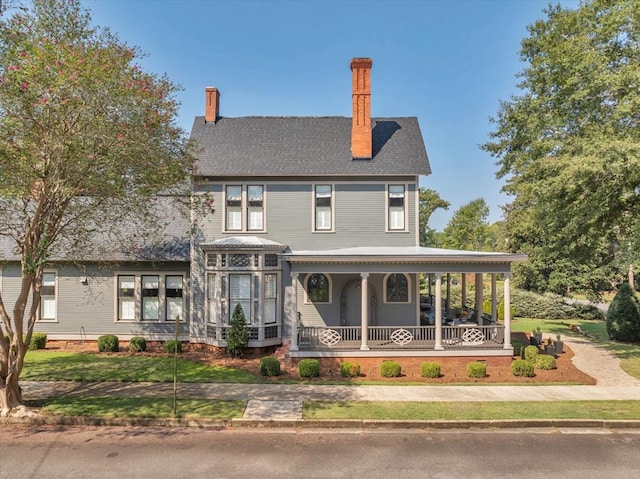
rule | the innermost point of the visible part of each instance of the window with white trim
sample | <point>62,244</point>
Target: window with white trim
<point>396,288</point>
<point>270,302</point>
<point>174,300</point>
<point>150,297</point>
<point>396,207</point>
<point>323,208</point>
<point>212,298</point>
<point>48,297</point>
<point>318,288</point>
<point>244,208</point>
<point>240,293</point>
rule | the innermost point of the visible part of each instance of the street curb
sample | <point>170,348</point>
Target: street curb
<point>239,423</point>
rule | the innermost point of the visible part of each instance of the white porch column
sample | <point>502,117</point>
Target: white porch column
<point>438,318</point>
<point>507,310</point>
<point>463,283</point>
<point>494,297</point>
<point>364,316</point>
<point>479,298</point>
<point>294,307</point>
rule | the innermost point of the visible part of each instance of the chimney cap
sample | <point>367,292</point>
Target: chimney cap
<point>361,63</point>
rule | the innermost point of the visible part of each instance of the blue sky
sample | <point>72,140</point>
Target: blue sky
<point>449,63</point>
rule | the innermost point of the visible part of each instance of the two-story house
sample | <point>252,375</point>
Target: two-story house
<point>315,234</point>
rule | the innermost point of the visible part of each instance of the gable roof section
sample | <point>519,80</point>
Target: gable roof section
<point>302,146</point>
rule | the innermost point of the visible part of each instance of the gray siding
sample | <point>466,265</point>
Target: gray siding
<point>87,309</point>
<point>360,215</point>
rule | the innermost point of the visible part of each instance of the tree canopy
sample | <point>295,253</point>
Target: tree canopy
<point>428,201</point>
<point>568,147</point>
<point>468,228</point>
<point>88,141</point>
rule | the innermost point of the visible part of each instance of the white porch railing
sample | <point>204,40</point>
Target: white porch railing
<point>349,338</point>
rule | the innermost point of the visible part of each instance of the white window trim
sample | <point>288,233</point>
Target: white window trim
<point>137,296</point>
<point>313,208</point>
<point>305,284</point>
<point>405,204</point>
<point>56,298</point>
<point>263,298</point>
<point>244,205</point>
<point>384,289</point>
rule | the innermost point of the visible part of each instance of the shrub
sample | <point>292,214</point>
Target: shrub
<point>137,344</point>
<point>476,370</point>
<point>108,344</point>
<point>623,317</point>
<point>430,370</point>
<point>38,341</point>
<point>269,366</point>
<point>349,370</point>
<point>390,369</point>
<point>172,346</point>
<point>550,306</point>
<point>238,333</point>
<point>544,361</point>
<point>522,367</point>
<point>530,353</point>
<point>517,348</point>
<point>309,368</point>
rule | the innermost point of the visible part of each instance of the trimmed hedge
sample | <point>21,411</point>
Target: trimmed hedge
<point>309,368</point>
<point>38,341</point>
<point>390,369</point>
<point>108,344</point>
<point>550,306</point>
<point>517,348</point>
<point>137,344</point>
<point>171,346</point>
<point>544,361</point>
<point>349,370</point>
<point>430,369</point>
<point>530,353</point>
<point>476,370</point>
<point>269,366</point>
<point>522,367</point>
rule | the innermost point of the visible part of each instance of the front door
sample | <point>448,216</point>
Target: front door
<point>351,304</point>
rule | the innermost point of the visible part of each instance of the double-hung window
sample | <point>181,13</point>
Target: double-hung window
<point>126,297</point>
<point>244,206</point>
<point>323,206</point>
<point>240,293</point>
<point>150,298</point>
<point>173,297</point>
<point>396,207</point>
<point>48,297</point>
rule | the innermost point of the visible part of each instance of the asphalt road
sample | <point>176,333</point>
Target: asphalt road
<point>93,452</point>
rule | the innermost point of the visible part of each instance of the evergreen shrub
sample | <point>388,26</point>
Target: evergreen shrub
<point>309,368</point>
<point>349,370</point>
<point>530,353</point>
<point>476,370</point>
<point>137,344</point>
<point>38,341</point>
<point>238,333</point>
<point>172,346</point>
<point>430,369</point>
<point>108,344</point>
<point>390,369</point>
<point>545,361</point>
<point>623,317</point>
<point>522,367</point>
<point>269,366</point>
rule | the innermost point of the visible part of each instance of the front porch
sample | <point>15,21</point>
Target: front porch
<point>462,340</point>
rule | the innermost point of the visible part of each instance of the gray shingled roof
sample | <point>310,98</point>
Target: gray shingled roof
<point>301,146</point>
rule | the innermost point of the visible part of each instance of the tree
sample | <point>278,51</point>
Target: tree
<point>238,333</point>
<point>568,145</point>
<point>468,228</point>
<point>88,142</point>
<point>623,316</point>
<point>429,201</point>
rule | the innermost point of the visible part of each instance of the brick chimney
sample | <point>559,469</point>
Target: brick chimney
<point>212,104</point>
<point>361,143</point>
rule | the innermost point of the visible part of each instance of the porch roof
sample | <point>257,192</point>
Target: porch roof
<point>243,242</point>
<point>413,258</point>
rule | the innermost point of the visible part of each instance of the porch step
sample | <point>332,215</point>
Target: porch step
<point>282,354</point>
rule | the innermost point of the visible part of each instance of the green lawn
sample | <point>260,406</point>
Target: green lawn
<point>143,407</point>
<point>68,366</point>
<point>473,410</point>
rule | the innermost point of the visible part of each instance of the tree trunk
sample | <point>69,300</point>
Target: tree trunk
<point>10,395</point>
